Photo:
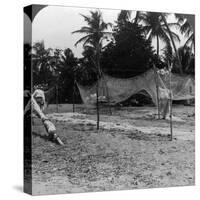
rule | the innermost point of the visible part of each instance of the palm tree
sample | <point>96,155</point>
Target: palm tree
<point>95,33</point>
<point>173,38</point>
<point>42,62</point>
<point>123,17</point>
<point>67,62</point>
<point>187,60</point>
<point>137,17</point>
<point>187,28</point>
<point>67,76</point>
<point>155,27</point>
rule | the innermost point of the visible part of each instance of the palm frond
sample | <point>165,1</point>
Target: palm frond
<point>164,37</point>
<point>83,39</point>
<point>173,25</point>
<point>174,35</point>
<point>186,28</point>
<point>83,30</point>
<point>180,18</point>
<point>190,40</point>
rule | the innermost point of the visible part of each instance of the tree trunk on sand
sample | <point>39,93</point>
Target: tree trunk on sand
<point>173,43</point>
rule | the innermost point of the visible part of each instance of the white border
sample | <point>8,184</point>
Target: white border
<point>11,69</point>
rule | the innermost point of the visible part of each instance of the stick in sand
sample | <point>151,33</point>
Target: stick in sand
<point>74,95</point>
<point>170,105</point>
<point>57,97</point>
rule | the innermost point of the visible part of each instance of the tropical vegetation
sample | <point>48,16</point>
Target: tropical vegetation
<point>131,45</point>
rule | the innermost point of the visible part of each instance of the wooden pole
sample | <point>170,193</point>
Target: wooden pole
<point>97,102</point>
<point>56,98</point>
<point>107,91</point>
<point>98,77</point>
<point>170,97</point>
<point>74,95</point>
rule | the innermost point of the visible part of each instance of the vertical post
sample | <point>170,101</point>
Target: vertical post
<point>170,97</point>
<point>157,91</point>
<point>73,95</point>
<point>97,102</point>
<point>57,97</point>
<point>98,77</point>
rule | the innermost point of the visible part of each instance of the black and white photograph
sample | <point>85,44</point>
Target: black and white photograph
<point>109,99</point>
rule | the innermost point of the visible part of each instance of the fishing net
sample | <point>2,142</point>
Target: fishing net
<point>114,90</point>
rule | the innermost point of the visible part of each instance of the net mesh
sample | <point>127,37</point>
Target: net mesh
<point>115,90</point>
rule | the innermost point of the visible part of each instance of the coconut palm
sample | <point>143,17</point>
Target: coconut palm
<point>123,17</point>
<point>187,60</point>
<point>95,33</point>
<point>187,28</point>
<point>68,60</point>
<point>171,35</point>
<point>155,28</point>
<point>42,62</point>
<point>67,75</point>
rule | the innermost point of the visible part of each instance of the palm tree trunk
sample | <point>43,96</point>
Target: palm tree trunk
<point>173,43</point>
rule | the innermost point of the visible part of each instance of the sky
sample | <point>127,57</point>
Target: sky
<point>55,24</point>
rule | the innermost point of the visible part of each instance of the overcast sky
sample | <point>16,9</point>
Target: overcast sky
<point>55,24</point>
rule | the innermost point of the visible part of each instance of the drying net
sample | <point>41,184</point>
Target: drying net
<point>114,90</point>
<point>183,87</point>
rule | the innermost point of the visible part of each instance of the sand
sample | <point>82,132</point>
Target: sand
<point>131,150</point>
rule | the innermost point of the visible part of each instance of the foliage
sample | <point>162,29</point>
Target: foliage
<point>187,60</point>
<point>130,53</point>
<point>96,32</point>
<point>155,27</point>
<point>41,62</point>
<point>54,67</point>
<point>187,29</point>
<point>67,76</point>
